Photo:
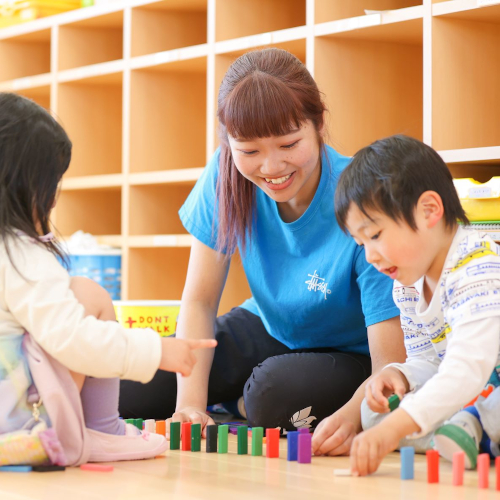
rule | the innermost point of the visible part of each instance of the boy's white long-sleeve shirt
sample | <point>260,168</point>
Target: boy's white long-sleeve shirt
<point>453,343</point>
<point>36,297</point>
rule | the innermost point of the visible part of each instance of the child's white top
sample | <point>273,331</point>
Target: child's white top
<point>39,300</point>
<point>453,343</point>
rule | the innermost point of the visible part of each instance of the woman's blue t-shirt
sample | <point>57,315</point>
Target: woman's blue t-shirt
<point>310,283</point>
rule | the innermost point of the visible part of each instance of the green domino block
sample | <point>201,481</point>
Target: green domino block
<point>175,435</point>
<point>393,402</point>
<point>242,440</point>
<point>257,436</point>
<point>138,423</point>
<point>223,434</point>
<point>196,437</point>
<point>130,421</point>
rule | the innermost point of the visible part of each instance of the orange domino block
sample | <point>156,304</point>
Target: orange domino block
<point>161,427</point>
<point>432,466</point>
<point>186,436</point>
<point>483,470</point>
<point>497,468</point>
<point>458,468</point>
<point>272,443</point>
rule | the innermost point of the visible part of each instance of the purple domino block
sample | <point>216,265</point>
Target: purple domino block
<point>304,430</point>
<point>305,448</point>
<point>292,438</point>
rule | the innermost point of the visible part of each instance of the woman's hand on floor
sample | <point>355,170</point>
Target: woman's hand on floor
<point>334,435</point>
<point>193,415</point>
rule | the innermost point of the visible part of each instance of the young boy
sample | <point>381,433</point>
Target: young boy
<point>397,198</point>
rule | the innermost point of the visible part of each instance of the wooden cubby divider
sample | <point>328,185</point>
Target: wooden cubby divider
<point>135,85</point>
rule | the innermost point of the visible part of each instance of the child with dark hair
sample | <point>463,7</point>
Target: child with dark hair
<point>71,319</point>
<point>397,199</point>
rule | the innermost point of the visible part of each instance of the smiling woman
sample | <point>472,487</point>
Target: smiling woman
<point>298,350</point>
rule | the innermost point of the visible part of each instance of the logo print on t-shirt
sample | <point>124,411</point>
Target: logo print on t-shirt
<point>317,284</point>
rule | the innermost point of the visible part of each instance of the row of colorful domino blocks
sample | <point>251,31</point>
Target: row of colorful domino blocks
<point>483,467</point>
<point>299,443</point>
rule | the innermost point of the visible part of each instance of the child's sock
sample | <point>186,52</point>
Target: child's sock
<point>100,405</point>
<point>463,432</point>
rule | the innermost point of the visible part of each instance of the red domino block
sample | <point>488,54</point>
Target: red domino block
<point>483,470</point>
<point>458,468</point>
<point>272,443</point>
<point>186,436</point>
<point>497,467</point>
<point>432,466</point>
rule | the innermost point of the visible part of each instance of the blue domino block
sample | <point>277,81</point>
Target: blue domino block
<point>15,468</point>
<point>407,462</point>
<point>292,438</point>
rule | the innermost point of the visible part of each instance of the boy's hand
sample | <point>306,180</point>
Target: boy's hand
<point>370,447</point>
<point>177,354</point>
<point>381,386</point>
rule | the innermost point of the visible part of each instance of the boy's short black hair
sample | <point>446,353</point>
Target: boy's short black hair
<point>390,175</point>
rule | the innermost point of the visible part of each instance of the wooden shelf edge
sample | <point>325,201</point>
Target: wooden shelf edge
<point>454,6</point>
<point>26,83</point>
<point>471,155</point>
<point>91,71</point>
<point>252,41</point>
<point>160,241</point>
<point>113,240</point>
<point>91,182</point>
<point>169,56</point>
<point>369,20</point>
<point>178,176</point>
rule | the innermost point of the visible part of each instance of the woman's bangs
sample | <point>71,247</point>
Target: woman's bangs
<point>261,106</point>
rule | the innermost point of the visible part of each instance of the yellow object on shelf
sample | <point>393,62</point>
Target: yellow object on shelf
<point>21,11</point>
<point>159,315</point>
<point>481,201</point>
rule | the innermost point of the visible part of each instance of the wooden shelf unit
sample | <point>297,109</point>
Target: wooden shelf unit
<point>135,84</point>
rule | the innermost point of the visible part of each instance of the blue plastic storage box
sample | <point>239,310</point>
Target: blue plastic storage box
<point>104,268</point>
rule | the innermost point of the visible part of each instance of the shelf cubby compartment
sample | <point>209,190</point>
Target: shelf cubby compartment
<point>168,25</point>
<point>372,81</point>
<point>91,41</point>
<point>41,95</point>
<point>480,171</point>
<point>25,55</point>
<point>334,10</point>
<point>157,273</point>
<point>250,17</point>
<point>160,274</point>
<point>91,112</point>
<point>153,208</point>
<point>168,116</point>
<point>466,79</point>
<point>95,211</point>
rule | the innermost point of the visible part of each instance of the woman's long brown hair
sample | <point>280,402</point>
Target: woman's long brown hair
<point>264,93</point>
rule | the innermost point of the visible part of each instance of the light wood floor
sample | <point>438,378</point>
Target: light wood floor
<point>187,475</point>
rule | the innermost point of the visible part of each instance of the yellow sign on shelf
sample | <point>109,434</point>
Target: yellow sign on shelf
<point>159,315</point>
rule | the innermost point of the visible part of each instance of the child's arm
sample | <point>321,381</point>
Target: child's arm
<point>421,364</point>
<point>471,356</point>
<point>370,447</point>
<point>470,359</point>
<point>41,301</point>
